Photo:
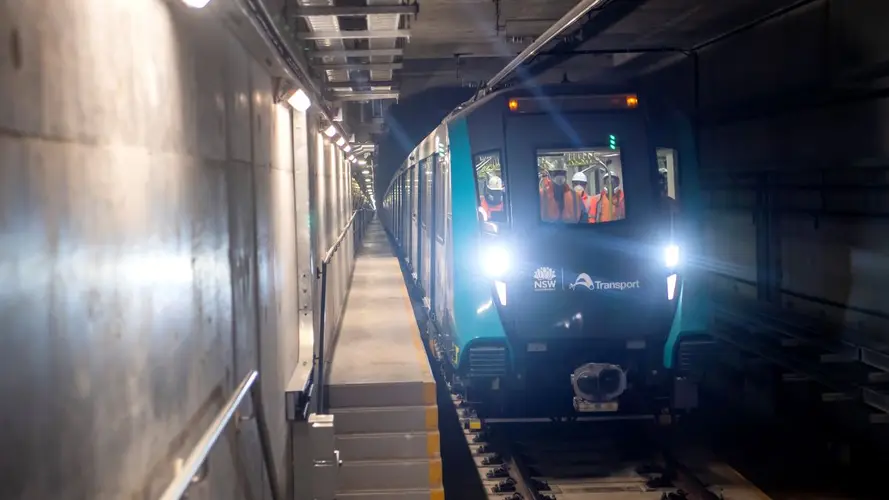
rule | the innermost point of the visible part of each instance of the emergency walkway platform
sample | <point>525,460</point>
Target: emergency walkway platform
<point>381,390</point>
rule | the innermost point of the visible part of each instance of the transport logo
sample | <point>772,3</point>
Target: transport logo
<point>584,280</point>
<point>544,279</point>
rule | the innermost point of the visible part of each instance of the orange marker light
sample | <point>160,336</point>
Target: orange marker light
<point>513,105</point>
<point>632,101</point>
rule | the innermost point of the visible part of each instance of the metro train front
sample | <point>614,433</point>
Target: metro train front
<point>580,247</point>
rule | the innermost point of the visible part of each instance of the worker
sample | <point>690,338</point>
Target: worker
<point>491,205</point>
<point>608,205</point>
<point>558,202</point>
<point>579,183</point>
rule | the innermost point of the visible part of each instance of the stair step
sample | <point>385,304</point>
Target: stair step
<point>389,419</point>
<point>412,474</point>
<point>423,494</point>
<point>389,446</point>
<point>381,394</point>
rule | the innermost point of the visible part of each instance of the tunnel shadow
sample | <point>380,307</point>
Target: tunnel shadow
<point>824,136</point>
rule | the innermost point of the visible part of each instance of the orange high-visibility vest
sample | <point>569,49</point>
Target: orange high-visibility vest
<point>609,210</point>
<point>549,210</point>
<point>488,209</point>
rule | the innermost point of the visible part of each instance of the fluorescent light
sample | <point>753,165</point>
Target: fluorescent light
<point>365,172</point>
<point>347,148</point>
<point>340,141</point>
<point>299,101</point>
<point>362,162</point>
<point>351,157</point>
<point>196,4</point>
<point>330,132</point>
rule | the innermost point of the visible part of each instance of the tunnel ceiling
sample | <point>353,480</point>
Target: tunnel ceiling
<point>370,53</point>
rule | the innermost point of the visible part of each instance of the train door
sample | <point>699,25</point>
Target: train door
<point>405,217</point>
<point>428,167</point>
<point>396,211</point>
<point>442,207</point>
<point>414,222</point>
<point>400,216</point>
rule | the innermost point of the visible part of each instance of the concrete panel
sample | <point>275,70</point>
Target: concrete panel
<point>117,300</point>
<point>262,114</point>
<point>238,102</point>
<point>128,132</point>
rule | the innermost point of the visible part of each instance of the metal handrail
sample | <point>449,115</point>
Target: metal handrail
<point>322,322</point>
<point>189,469</point>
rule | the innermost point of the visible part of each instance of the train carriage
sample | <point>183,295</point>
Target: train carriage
<point>542,228</point>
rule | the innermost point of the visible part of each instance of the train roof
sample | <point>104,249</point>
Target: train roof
<point>523,90</point>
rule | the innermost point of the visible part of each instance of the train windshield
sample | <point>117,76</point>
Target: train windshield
<point>581,186</point>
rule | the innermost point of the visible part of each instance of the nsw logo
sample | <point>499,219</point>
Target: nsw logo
<point>544,279</point>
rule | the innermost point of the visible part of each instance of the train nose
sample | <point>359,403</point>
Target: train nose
<point>599,382</point>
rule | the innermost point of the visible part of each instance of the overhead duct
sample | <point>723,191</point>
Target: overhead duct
<point>262,22</point>
<point>579,10</point>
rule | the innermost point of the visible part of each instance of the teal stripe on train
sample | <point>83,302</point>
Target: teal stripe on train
<point>694,309</point>
<point>472,291</point>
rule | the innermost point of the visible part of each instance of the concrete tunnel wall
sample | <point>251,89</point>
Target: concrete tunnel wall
<point>148,247</point>
<point>759,94</point>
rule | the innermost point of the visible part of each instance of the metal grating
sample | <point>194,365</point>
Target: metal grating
<point>487,361</point>
<point>382,22</point>
<point>327,23</point>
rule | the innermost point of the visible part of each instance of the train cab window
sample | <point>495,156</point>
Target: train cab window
<point>581,186</point>
<point>667,176</point>
<point>491,188</point>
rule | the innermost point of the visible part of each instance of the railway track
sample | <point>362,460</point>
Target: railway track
<point>621,460</point>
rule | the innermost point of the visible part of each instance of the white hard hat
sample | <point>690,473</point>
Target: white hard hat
<point>579,177</point>
<point>495,183</point>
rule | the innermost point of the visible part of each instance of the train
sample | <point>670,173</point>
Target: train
<point>545,229</point>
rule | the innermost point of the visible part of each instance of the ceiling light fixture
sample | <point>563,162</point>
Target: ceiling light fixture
<point>299,101</point>
<point>196,4</point>
<point>330,132</point>
<point>340,142</point>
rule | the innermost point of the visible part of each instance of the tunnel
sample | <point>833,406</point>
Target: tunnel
<point>300,249</point>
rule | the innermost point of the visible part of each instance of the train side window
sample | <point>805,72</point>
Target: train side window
<point>581,186</point>
<point>490,186</point>
<point>667,173</point>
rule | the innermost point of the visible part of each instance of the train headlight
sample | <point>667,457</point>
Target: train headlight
<point>495,261</point>
<point>671,286</point>
<point>671,256</point>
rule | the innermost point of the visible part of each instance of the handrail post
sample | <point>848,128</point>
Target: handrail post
<point>188,470</point>
<point>265,441</point>
<point>322,323</point>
